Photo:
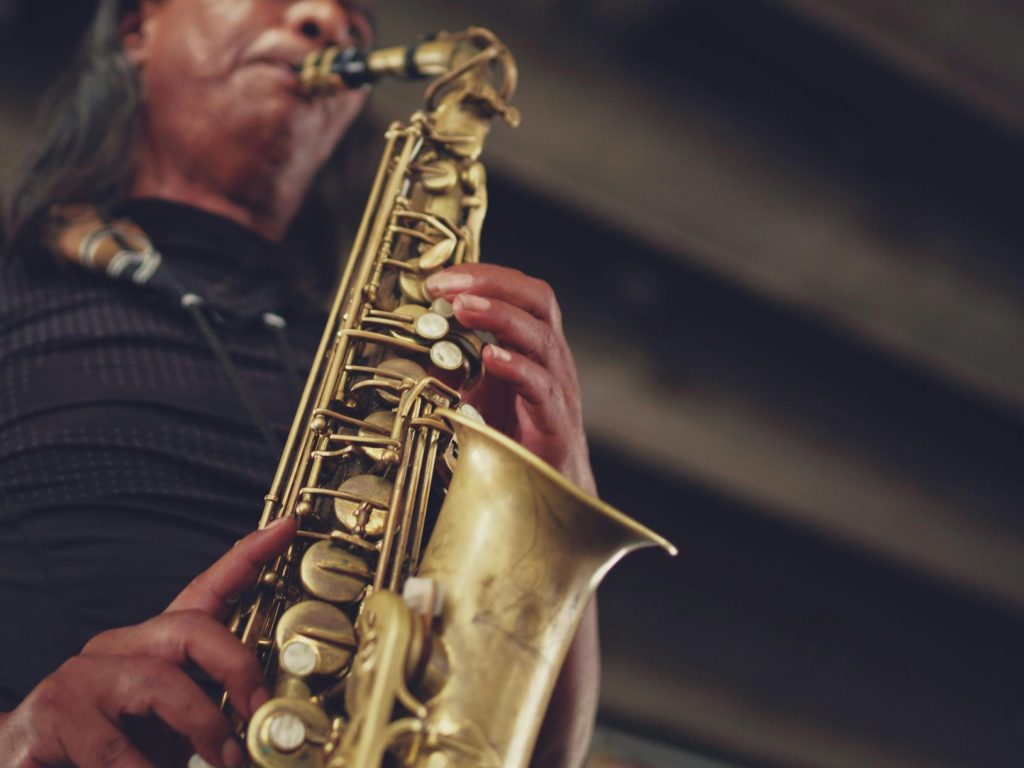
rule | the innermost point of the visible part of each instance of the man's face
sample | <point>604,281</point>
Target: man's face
<point>218,85</point>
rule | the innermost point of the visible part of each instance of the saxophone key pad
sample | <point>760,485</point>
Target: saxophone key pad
<point>437,255</point>
<point>299,658</point>
<point>402,368</point>
<point>331,573</point>
<point>367,516</point>
<point>447,356</point>
<point>412,284</point>
<point>411,311</point>
<point>383,421</point>
<point>431,325</point>
<point>441,306</point>
<point>286,732</point>
<point>327,634</point>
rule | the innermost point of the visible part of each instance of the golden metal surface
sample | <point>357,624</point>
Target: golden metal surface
<point>334,574</point>
<point>321,627</point>
<point>380,423</point>
<point>447,356</point>
<point>431,325</point>
<point>364,507</point>
<point>461,678</point>
<point>412,284</point>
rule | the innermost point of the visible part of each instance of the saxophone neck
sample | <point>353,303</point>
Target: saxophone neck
<point>473,58</point>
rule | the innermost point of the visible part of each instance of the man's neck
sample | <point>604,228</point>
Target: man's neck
<point>261,199</point>
<point>201,197</point>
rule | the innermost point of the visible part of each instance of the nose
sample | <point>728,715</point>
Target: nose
<point>325,22</point>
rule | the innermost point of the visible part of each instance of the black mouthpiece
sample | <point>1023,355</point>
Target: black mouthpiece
<point>348,65</point>
<point>351,66</point>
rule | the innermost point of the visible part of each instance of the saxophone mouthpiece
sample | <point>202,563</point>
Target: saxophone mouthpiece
<point>333,69</point>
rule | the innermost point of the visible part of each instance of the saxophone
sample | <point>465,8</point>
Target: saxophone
<point>395,633</point>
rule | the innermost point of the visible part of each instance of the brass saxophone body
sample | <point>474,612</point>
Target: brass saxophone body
<point>423,612</point>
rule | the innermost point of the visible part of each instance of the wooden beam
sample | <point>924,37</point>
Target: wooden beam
<point>694,178</point>
<point>966,48</point>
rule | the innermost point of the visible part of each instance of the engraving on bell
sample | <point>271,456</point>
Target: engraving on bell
<point>431,326</point>
<point>324,628</point>
<point>334,574</point>
<point>447,356</point>
<point>354,515</point>
<point>286,732</point>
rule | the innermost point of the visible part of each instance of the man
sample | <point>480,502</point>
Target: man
<point>119,417</point>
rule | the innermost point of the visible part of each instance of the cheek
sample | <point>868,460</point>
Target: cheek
<point>203,40</point>
<point>322,128</point>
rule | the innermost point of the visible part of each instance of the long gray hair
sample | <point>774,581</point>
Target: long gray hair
<point>91,119</point>
<point>91,115</point>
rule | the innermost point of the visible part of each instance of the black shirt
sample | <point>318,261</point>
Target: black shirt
<point>127,463</point>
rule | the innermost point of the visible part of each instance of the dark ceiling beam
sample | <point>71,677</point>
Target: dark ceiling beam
<point>968,48</point>
<point>692,179</point>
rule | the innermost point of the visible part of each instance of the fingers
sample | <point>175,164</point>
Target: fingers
<point>492,281</point>
<point>215,589</point>
<point>156,687</point>
<point>77,712</point>
<point>182,636</point>
<point>513,327</point>
<point>540,393</point>
<point>100,743</point>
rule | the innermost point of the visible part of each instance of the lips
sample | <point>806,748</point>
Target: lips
<point>280,71</point>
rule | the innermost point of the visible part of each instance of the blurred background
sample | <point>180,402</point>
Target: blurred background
<point>786,235</point>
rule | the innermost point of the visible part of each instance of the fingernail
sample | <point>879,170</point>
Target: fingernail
<point>499,354</point>
<point>231,754</point>
<point>277,523</point>
<point>471,302</point>
<point>444,283</point>
<point>258,698</point>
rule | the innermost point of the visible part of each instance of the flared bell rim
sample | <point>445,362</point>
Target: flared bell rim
<point>644,534</point>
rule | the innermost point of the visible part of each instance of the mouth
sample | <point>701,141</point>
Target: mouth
<point>280,71</point>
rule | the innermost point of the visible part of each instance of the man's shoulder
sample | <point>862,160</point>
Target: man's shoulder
<point>42,301</point>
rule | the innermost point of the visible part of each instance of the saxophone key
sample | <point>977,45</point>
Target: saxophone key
<point>411,283</point>
<point>331,573</point>
<point>441,306</point>
<point>413,312</point>
<point>363,508</point>
<point>314,637</point>
<point>403,369</point>
<point>438,254</point>
<point>377,424</point>
<point>432,326</point>
<point>447,356</point>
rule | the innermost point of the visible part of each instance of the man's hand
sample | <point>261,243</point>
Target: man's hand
<point>78,714</point>
<point>529,390</point>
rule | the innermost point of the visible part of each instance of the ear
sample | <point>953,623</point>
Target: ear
<point>136,29</point>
